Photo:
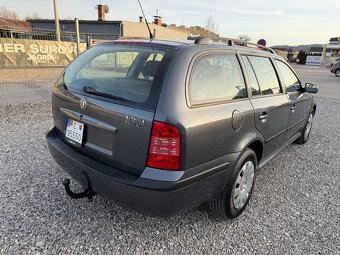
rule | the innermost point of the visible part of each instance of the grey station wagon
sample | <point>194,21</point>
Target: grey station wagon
<point>163,126</point>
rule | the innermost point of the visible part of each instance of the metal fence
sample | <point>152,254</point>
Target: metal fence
<point>27,85</point>
<point>20,84</point>
<point>50,35</point>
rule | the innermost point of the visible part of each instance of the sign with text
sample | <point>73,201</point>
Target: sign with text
<point>313,60</point>
<point>30,53</point>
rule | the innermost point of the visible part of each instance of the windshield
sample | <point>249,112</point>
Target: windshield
<point>125,74</point>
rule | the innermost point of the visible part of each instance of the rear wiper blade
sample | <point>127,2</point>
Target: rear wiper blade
<point>93,91</point>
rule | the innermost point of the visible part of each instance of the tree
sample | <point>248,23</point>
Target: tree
<point>8,14</point>
<point>244,37</point>
<point>33,16</point>
<point>211,26</point>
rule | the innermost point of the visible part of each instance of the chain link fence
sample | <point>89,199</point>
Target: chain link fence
<point>50,35</point>
<point>27,85</point>
<point>20,83</point>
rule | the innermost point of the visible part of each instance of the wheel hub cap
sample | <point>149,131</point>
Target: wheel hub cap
<point>243,184</point>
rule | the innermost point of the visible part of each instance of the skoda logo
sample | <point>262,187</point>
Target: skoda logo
<point>83,103</point>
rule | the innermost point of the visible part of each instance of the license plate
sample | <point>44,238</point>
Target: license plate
<point>74,132</point>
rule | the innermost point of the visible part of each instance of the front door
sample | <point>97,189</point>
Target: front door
<point>300,101</point>
<point>271,105</point>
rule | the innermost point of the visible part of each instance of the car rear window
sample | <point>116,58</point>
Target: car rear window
<point>131,74</point>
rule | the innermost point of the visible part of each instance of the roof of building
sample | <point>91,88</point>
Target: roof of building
<point>16,25</point>
<point>316,49</point>
<point>334,39</point>
<point>72,21</point>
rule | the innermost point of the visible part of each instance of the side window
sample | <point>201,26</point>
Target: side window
<point>289,79</point>
<point>266,75</point>
<point>216,78</point>
<point>255,90</point>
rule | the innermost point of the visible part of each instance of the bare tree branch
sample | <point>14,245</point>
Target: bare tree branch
<point>33,16</point>
<point>244,37</point>
<point>211,26</point>
<point>8,14</point>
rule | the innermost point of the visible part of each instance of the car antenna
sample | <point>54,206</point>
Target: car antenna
<point>147,24</point>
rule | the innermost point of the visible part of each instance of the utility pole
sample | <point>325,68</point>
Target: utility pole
<point>56,18</point>
<point>78,36</point>
<point>323,55</point>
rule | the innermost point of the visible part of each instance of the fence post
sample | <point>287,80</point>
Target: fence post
<point>57,28</point>
<point>323,55</point>
<point>78,36</point>
<point>89,42</point>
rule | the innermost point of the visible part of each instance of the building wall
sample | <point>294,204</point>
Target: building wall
<point>137,29</point>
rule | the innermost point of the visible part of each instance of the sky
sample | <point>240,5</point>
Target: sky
<point>291,22</point>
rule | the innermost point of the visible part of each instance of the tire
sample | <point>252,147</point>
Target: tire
<point>306,130</point>
<point>240,184</point>
<point>337,72</point>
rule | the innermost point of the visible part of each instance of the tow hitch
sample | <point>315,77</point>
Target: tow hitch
<point>89,193</point>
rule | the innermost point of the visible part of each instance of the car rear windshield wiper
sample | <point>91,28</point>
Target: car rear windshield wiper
<point>93,91</point>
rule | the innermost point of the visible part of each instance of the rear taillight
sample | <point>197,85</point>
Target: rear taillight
<point>165,146</point>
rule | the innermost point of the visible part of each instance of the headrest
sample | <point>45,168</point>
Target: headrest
<point>150,68</point>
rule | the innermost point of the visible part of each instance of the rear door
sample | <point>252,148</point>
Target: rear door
<point>220,114</point>
<point>113,91</point>
<point>271,105</point>
<point>300,101</point>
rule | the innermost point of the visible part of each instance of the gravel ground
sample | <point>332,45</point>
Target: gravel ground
<point>295,208</point>
<point>27,85</point>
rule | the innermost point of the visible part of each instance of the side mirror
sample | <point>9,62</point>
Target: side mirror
<point>311,88</point>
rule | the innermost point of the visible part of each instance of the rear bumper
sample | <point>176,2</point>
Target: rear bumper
<point>145,195</point>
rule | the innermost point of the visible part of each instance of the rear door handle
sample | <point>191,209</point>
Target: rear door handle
<point>264,117</point>
<point>293,107</point>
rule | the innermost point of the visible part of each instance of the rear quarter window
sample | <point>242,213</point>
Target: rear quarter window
<point>216,78</point>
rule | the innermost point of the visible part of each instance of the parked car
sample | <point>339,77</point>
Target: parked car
<point>163,126</point>
<point>335,61</point>
<point>336,69</point>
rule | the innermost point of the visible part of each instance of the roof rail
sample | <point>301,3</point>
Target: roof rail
<point>231,42</point>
